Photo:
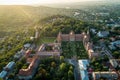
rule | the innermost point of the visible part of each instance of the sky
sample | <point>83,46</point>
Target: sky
<point>11,2</point>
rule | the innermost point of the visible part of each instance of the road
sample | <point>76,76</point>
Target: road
<point>76,69</point>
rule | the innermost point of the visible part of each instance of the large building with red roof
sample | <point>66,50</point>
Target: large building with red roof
<point>27,74</point>
<point>49,50</point>
<point>84,37</point>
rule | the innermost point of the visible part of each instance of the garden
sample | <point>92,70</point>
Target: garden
<point>71,49</point>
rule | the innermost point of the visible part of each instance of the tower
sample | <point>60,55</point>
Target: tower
<point>72,36</point>
<point>59,37</point>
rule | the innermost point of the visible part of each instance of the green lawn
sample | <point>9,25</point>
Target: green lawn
<point>71,49</point>
<point>46,40</point>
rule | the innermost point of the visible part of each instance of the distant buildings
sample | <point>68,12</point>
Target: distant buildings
<point>103,34</point>
<point>19,54</point>
<point>83,69</point>
<point>102,14</point>
<point>27,45</point>
<point>106,75</point>
<point>27,53</point>
<point>36,34</point>
<point>114,63</point>
<point>113,45</point>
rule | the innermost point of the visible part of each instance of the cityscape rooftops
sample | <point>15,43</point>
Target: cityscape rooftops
<point>108,75</point>
<point>9,66</point>
<point>103,33</point>
<point>3,74</point>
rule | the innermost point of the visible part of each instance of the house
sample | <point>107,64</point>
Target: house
<point>27,45</point>
<point>9,66</point>
<point>3,75</point>
<point>112,47</point>
<point>103,34</point>
<point>83,69</point>
<point>108,75</point>
<point>27,53</point>
<point>93,31</point>
<point>19,54</point>
<point>36,33</point>
<point>115,43</point>
<point>113,63</point>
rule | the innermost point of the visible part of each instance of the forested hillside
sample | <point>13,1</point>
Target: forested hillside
<point>13,18</point>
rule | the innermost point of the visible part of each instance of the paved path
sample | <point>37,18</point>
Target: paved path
<point>76,70</point>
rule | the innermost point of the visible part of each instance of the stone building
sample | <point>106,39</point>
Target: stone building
<point>84,37</point>
<point>49,50</point>
<point>27,74</point>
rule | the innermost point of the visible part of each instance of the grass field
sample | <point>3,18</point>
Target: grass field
<point>46,40</point>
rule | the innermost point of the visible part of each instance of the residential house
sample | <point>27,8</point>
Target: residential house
<point>103,34</point>
<point>27,45</point>
<point>19,54</point>
<point>114,63</point>
<point>108,75</point>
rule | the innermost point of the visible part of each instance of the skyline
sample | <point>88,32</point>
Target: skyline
<point>29,2</point>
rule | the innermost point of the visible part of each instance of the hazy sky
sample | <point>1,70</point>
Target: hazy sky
<point>7,2</point>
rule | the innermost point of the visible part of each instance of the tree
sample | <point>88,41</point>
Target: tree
<point>43,72</point>
<point>61,58</point>
<point>70,75</point>
<point>53,64</point>
<point>11,76</point>
<point>63,67</point>
<point>1,79</point>
<point>71,68</point>
<point>116,54</point>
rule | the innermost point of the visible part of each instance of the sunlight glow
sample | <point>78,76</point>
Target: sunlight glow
<point>10,2</point>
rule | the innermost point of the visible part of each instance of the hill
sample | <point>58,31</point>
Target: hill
<point>13,18</point>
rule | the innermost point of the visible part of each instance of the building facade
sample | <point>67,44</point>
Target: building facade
<point>84,37</point>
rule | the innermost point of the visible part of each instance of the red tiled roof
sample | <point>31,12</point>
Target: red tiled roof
<point>29,70</point>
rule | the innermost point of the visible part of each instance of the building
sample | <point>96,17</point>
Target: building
<point>69,37</point>
<point>49,50</point>
<point>103,34</point>
<point>116,43</point>
<point>84,37</point>
<point>27,45</point>
<point>114,63</point>
<point>83,69</point>
<point>19,54</point>
<point>27,53</point>
<point>108,75</point>
<point>9,66</point>
<point>27,74</point>
<point>3,75</point>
